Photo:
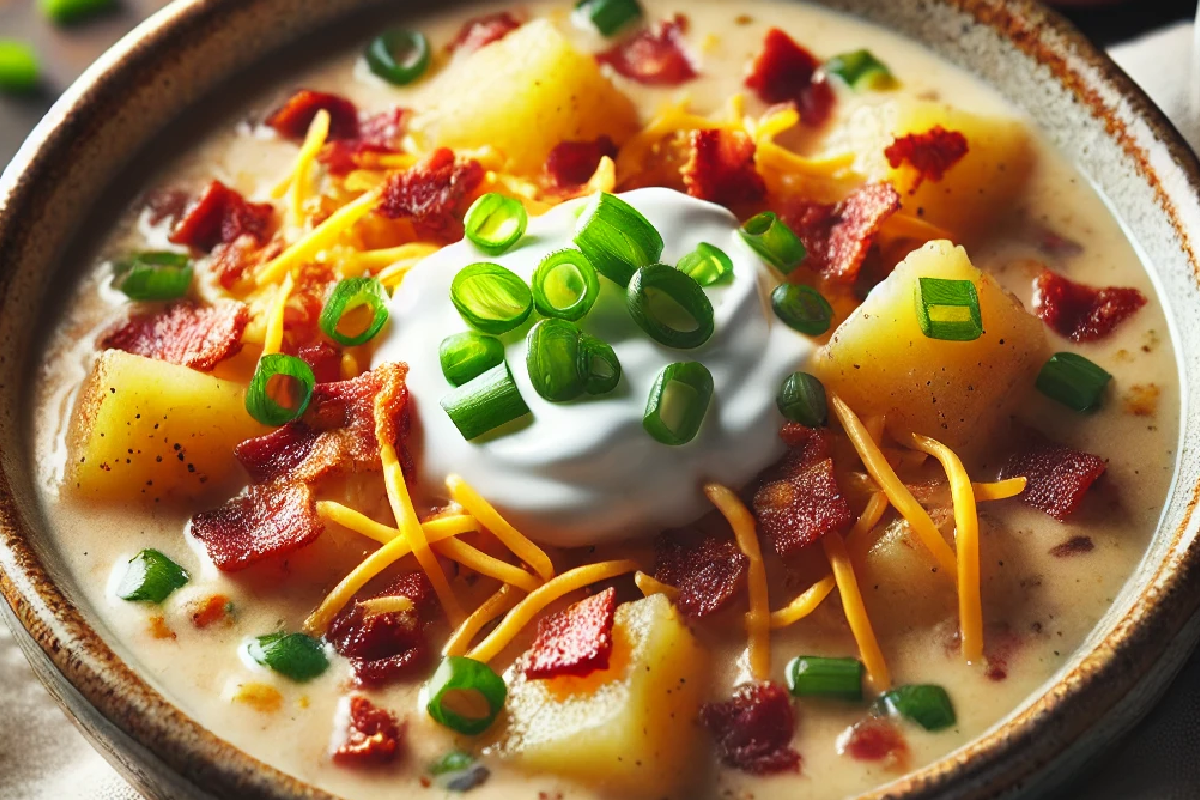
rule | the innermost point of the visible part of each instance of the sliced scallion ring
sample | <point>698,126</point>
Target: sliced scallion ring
<point>1074,381</point>
<point>818,676</point>
<point>565,285</point>
<point>678,402</point>
<point>802,308</point>
<point>69,12</point>
<point>707,265</point>
<point>19,68</point>
<point>348,295</point>
<point>802,399</point>
<point>774,241</point>
<point>490,297</point>
<point>598,361</point>
<point>860,69</point>
<point>258,399</point>
<point>609,16</point>
<point>485,403</point>
<point>616,237</point>
<point>928,705</point>
<point>465,356</point>
<point>293,655</point>
<point>465,695</point>
<point>494,223</point>
<point>399,56</point>
<point>151,577</point>
<point>153,275</point>
<point>670,307</point>
<point>552,359</point>
<point>948,309</point>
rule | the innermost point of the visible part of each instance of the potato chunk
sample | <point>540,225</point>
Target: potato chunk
<point>880,362</point>
<point>522,95</point>
<point>147,429</point>
<point>629,729</point>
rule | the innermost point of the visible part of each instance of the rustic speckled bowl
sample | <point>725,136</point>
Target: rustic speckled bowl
<point>131,101</point>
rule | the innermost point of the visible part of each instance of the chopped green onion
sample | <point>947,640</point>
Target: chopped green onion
<point>465,695</point>
<point>491,297</point>
<point>68,12</point>
<point>150,577</point>
<point>928,705</point>
<point>485,402</point>
<point>802,399</point>
<point>494,223</point>
<point>565,285</point>
<point>466,356</point>
<point>678,402</point>
<point>348,295</point>
<point>599,363</point>
<point>1074,381</point>
<point>802,308</point>
<point>609,16</point>
<point>774,241</point>
<point>836,678</point>
<point>860,69</point>
<point>153,275</point>
<point>399,56</point>
<point>706,265</point>
<point>454,761</point>
<point>258,399</point>
<point>19,69</point>
<point>458,771</point>
<point>948,309</point>
<point>293,655</point>
<point>670,307</point>
<point>616,238</point>
<point>553,360</point>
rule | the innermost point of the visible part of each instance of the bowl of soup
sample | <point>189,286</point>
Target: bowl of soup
<point>616,399</point>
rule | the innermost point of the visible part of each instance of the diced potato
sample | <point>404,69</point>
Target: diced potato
<point>147,429</point>
<point>523,95</point>
<point>880,362</point>
<point>900,582</point>
<point>630,729</point>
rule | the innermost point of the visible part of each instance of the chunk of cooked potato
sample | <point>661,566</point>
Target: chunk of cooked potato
<point>522,95</point>
<point>629,729</point>
<point>147,429</point>
<point>880,362</point>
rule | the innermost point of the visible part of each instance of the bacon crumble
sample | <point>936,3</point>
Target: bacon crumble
<point>875,739</point>
<point>753,730</point>
<point>931,153</point>
<point>481,31</point>
<point>292,119</point>
<point>721,168</point>
<point>653,57</point>
<point>384,647</point>
<point>209,610</point>
<point>1080,312</point>
<point>572,163</point>
<point>576,641</point>
<point>709,571</point>
<point>1056,476</point>
<point>219,216</point>
<point>199,337</point>
<point>1075,546</point>
<point>265,522</point>
<point>372,736</point>
<point>431,193</point>
<point>325,361</point>
<point>785,72</point>
<point>838,236</point>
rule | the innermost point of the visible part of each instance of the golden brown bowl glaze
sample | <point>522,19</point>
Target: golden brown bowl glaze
<point>119,113</point>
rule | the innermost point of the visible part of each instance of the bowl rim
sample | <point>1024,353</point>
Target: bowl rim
<point>1087,692</point>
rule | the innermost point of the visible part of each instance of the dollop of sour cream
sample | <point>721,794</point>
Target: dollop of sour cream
<point>586,472</point>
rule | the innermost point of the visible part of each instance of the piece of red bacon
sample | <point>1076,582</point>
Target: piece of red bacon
<point>839,235</point>
<point>382,648</point>
<point>721,168</point>
<point>479,32</point>
<point>753,730</point>
<point>786,72</point>
<point>875,739</point>
<point>709,571</point>
<point>1056,476</point>
<point>266,522</point>
<point>432,193</point>
<point>576,641</point>
<point>1080,312</point>
<point>573,162</point>
<point>184,333</point>
<point>653,57</point>
<point>378,134</point>
<point>384,128</point>
<point>292,119</point>
<point>221,215</point>
<point>931,153</point>
<point>324,359</point>
<point>370,736</point>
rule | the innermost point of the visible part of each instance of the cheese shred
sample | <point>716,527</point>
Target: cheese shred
<point>273,339</point>
<point>319,239</point>
<point>758,620</point>
<point>460,641</point>
<point>392,604</point>
<point>856,612</point>
<point>649,585</point>
<point>484,564</point>
<point>462,493</point>
<point>1000,490</point>
<point>435,529</point>
<point>314,140</point>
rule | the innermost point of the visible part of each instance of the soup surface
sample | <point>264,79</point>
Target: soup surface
<point>583,479</point>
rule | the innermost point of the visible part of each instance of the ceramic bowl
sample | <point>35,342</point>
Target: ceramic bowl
<point>119,114</point>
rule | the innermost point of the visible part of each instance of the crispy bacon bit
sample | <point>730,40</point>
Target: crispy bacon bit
<point>721,168</point>
<point>337,432</point>
<point>931,153</point>
<point>166,206</point>
<point>378,134</point>
<point>1141,399</point>
<point>1075,546</point>
<point>384,647</point>
<point>576,641</point>
<point>432,193</point>
<point>875,739</point>
<point>343,157</point>
<point>572,163</point>
<point>482,31</point>
<point>709,571</point>
<point>384,128</point>
<point>291,120</point>
<point>209,610</point>
<point>785,72</point>
<point>372,736</point>
<point>265,522</point>
<point>220,215</point>
<point>1080,312</point>
<point>838,236</point>
<point>193,336</point>
<point>230,261</point>
<point>653,57</point>
<point>753,730</point>
<point>1057,477</point>
<point>325,360</point>
<point>800,501</point>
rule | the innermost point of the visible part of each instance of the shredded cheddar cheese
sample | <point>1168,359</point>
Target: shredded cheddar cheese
<point>649,585</point>
<point>435,529</point>
<point>314,140</point>
<point>392,604</point>
<point>744,531</point>
<point>604,179</point>
<point>462,493</point>
<point>319,239</point>
<point>902,225</point>
<point>273,339</point>
<point>484,564</point>
<point>856,540</point>
<point>460,641</point>
<point>348,366</point>
<point>856,612</point>
<point>1000,490</point>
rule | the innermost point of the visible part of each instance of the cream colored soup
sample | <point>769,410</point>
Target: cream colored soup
<point>1047,604</point>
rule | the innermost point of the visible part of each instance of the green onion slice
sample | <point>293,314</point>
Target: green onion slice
<point>802,308</point>
<point>928,705</point>
<point>802,399</point>
<point>616,237</point>
<point>553,362</point>
<point>774,241</point>
<point>468,355</point>
<point>860,69</point>
<point>670,307</point>
<point>599,363</point>
<point>609,16</point>
<point>494,223</point>
<point>153,275</point>
<point>68,12</point>
<point>678,402</point>
<point>399,56</point>
<point>465,695</point>
<point>348,295</point>
<point>948,309</point>
<point>19,69</point>
<point>293,655</point>
<point>485,403</point>
<point>816,676</point>
<point>706,265</point>
<point>565,285</point>
<point>454,761</point>
<point>150,577</point>
<point>490,297</point>
<point>259,402</point>
<point>1074,381</point>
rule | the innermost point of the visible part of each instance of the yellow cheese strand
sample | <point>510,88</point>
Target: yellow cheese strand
<point>604,179</point>
<point>758,620</point>
<point>348,366</point>
<point>460,641</point>
<point>386,257</point>
<point>999,490</point>
<point>314,140</point>
<point>318,239</point>
<point>650,585</point>
<point>435,529</point>
<point>392,604</point>
<point>856,612</point>
<point>902,225</point>
<point>273,339</point>
<point>462,493</point>
<point>484,564</point>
